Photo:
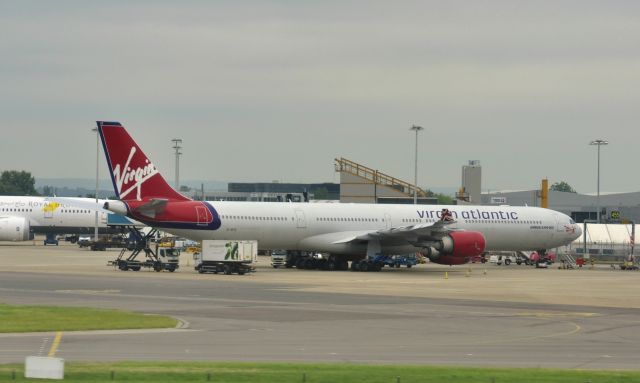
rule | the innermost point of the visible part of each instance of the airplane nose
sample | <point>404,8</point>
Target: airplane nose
<point>578,233</point>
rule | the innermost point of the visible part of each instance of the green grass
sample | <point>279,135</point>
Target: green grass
<point>317,373</point>
<point>50,318</point>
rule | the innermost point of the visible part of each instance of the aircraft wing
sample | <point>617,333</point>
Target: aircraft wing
<point>413,233</point>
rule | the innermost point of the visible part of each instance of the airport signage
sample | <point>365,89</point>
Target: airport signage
<point>499,200</point>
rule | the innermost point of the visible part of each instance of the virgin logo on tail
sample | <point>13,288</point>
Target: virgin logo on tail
<point>137,176</point>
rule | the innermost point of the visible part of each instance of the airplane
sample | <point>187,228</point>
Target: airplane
<point>21,217</point>
<point>448,235</point>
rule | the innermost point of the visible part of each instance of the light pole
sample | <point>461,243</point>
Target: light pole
<point>177,147</point>
<point>598,143</point>
<point>415,175</point>
<point>95,233</point>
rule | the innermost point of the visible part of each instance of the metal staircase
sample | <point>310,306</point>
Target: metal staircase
<point>569,261</point>
<point>377,177</point>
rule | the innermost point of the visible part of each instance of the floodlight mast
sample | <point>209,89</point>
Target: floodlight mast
<point>598,143</point>
<point>415,175</point>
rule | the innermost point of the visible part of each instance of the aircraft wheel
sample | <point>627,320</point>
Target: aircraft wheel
<point>355,266</point>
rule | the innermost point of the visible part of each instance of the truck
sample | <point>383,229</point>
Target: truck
<point>117,241</point>
<point>226,256</point>
<point>278,258</point>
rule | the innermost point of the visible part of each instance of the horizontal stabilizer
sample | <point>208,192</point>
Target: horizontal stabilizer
<point>152,208</point>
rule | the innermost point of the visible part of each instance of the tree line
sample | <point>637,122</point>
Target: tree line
<point>13,182</point>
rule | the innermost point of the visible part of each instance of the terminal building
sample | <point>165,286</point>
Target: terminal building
<point>618,207</point>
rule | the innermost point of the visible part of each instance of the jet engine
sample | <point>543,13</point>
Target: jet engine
<point>14,229</point>
<point>456,248</point>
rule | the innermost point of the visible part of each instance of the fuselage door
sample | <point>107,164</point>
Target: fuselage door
<point>201,213</point>
<point>387,221</point>
<point>301,221</point>
<point>48,211</point>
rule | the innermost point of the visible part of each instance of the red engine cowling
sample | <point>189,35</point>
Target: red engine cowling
<point>457,248</point>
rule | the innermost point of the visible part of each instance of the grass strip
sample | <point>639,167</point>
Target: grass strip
<point>53,318</point>
<point>317,373</point>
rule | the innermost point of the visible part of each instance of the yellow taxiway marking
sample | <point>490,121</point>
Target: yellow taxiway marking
<point>55,344</point>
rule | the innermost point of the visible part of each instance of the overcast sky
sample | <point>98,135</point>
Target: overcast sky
<point>275,90</point>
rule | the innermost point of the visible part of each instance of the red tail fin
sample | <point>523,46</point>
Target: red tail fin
<point>134,176</point>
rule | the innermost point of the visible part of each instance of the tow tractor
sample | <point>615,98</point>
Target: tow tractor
<point>165,258</point>
<point>377,262</point>
<point>629,264</point>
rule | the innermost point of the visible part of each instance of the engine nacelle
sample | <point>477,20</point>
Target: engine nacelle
<point>14,229</point>
<point>117,207</point>
<point>457,248</point>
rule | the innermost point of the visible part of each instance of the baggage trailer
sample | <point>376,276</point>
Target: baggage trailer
<point>228,257</point>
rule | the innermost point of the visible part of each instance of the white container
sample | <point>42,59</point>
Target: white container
<point>42,367</point>
<point>229,251</point>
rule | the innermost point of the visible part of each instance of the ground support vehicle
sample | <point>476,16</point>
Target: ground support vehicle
<point>158,260</point>
<point>311,260</point>
<point>102,244</point>
<point>509,257</point>
<point>73,238</point>
<point>376,263</point>
<point>629,264</point>
<point>278,258</point>
<point>399,260</point>
<point>51,239</point>
<point>228,257</point>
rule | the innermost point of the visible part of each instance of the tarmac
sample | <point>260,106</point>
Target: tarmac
<point>474,315</point>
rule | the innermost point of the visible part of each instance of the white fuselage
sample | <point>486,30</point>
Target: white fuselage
<point>46,216</point>
<point>322,226</point>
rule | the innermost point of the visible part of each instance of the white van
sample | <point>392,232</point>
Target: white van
<point>499,259</point>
